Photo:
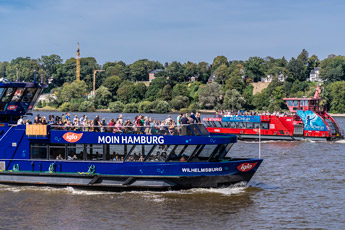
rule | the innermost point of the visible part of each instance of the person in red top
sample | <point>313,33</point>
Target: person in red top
<point>110,124</point>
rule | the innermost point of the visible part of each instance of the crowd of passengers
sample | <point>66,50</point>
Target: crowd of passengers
<point>138,125</point>
<point>221,113</point>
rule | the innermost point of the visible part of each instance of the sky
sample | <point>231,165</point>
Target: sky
<point>171,30</point>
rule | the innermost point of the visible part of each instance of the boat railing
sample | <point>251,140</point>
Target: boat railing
<point>172,130</point>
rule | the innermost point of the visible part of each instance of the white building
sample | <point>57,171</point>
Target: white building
<point>281,77</point>
<point>315,75</point>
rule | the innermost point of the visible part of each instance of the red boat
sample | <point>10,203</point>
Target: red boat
<point>307,121</point>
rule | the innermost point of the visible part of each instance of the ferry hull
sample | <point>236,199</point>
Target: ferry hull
<point>252,137</point>
<point>227,176</point>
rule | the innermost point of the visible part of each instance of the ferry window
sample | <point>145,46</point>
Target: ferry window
<point>249,125</point>
<point>302,103</point>
<point>264,126</point>
<point>135,153</point>
<point>2,90</point>
<point>241,125</point>
<point>18,95</point>
<point>160,152</point>
<point>219,153</point>
<point>57,152</point>
<point>8,95</point>
<point>196,130</point>
<point>206,153</point>
<point>203,129</point>
<point>233,125</point>
<point>29,94</point>
<point>75,152</point>
<point>256,125</point>
<point>116,152</point>
<point>188,152</point>
<point>174,152</point>
<point>295,103</point>
<point>36,95</point>
<point>94,152</point>
<point>289,102</point>
<point>39,151</point>
<point>306,103</point>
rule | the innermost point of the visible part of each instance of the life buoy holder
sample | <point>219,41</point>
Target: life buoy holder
<point>15,168</point>
<point>92,169</point>
<point>51,168</point>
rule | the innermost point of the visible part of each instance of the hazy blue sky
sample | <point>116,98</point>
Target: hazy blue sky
<point>173,30</point>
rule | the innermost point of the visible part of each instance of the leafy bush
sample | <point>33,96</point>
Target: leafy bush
<point>74,107</point>
<point>193,107</point>
<point>116,107</point>
<point>146,107</point>
<point>179,102</point>
<point>131,108</point>
<point>86,106</point>
<point>162,107</point>
<point>65,107</point>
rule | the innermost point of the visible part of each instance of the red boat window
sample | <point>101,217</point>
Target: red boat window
<point>305,103</point>
<point>289,102</point>
<point>295,103</point>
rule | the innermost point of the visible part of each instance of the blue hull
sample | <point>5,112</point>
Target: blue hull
<point>131,175</point>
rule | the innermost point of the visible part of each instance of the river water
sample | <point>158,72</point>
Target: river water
<point>299,185</point>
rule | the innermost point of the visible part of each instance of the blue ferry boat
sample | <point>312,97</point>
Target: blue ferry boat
<point>137,158</point>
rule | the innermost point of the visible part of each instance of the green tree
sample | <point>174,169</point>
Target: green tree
<point>162,107</point>
<point>210,96</point>
<point>180,89</point>
<point>297,70</point>
<point>175,72</point>
<point>116,69</point>
<point>124,93</point>
<point>179,102</point>
<point>335,95</point>
<point>333,69</point>
<point>255,68</point>
<point>233,100</point>
<point>74,90</point>
<point>154,90</point>
<point>116,107</point>
<point>112,83</point>
<point>102,97</point>
<point>218,61</point>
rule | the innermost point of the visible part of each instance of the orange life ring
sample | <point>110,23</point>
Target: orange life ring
<point>286,133</point>
<point>241,132</point>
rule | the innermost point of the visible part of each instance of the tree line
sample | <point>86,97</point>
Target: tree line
<point>181,86</point>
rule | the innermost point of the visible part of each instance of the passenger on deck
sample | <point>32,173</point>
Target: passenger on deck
<point>20,121</point>
<point>59,157</point>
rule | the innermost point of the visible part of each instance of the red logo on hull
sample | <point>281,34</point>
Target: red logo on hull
<point>12,107</point>
<point>245,167</point>
<point>72,137</point>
